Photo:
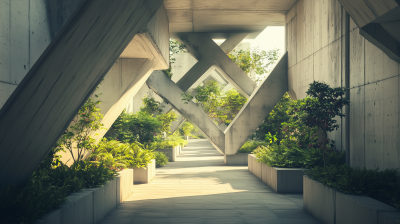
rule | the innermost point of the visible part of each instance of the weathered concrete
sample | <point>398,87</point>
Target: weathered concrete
<point>283,180</point>
<point>258,106</point>
<point>319,200</point>
<point>104,200</point>
<point>359,209</point>
<point>145,175</point>
<point>239,159</point>
<point>93,204</point>
<point>43,104</point>
<point>378,23</point>
<point>164,86</point>
<point>373,75</point>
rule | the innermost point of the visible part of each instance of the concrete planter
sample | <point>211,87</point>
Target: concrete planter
<point>239,159</point>
<point>144,176</point>
<point>171,153</point>
<point>333,207</point>
<point>91,205</point>
<point>281,180</point>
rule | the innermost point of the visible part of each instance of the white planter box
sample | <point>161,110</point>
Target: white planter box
<point>281,180</point>
<point>239,159</point>
<point>91,205</point>
<point>333,207</point>
<point>142,175</point>
<point>171,153</point>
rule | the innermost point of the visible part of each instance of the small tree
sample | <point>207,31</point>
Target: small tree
<point>323,105</point>
<point>78,136</point>
<point>151,106</point>
<point>186,128</point>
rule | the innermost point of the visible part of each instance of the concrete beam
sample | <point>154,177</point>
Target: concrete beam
<point>258,106</point>
<point>166,88</point>
<point>378,22</point>
<point>69,70</point>
<point>208,53</point>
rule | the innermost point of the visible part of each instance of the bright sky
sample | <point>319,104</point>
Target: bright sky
<point>270,38</point>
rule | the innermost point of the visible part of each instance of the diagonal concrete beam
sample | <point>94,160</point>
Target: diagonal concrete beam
<point>258,106</point>
<point>208,53</point>
<point>167,89</point>
<point>66,74</point>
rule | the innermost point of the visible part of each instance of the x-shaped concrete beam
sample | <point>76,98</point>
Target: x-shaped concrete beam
<point>209,54</point>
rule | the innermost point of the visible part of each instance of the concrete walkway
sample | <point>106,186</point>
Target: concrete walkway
<point>199,188</point>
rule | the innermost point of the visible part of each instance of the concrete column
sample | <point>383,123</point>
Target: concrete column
<point>208,53</point>
<point>177,123</point>
<point>258,106</point>
<point>166,88</point>
<point>69,70</point>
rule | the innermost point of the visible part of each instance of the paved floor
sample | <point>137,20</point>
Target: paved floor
<point>199,188</point>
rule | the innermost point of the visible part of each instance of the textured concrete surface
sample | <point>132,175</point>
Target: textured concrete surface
<point>171,153</point>
<point>319,200</point>
<point>124,185</point>
<point>239,159</point>
<point>199,188</point>
<point>359,209</point>
<point>316,43</point>
<point>46,100</point>
<point>104,200</point>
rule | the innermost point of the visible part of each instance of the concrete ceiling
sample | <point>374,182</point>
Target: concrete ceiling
<point>225,16</point>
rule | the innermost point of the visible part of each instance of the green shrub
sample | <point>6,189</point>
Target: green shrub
<point>249,146</point>
<point>295,157</point>
<point>48,187</point>
<point>118,155</point>
<point>383,186</point>
<point>161,159</point>
<point>130,128</point>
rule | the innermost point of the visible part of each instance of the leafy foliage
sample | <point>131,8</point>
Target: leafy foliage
<point>186,128</point>
<point>218,105</point>
<point>249,146</point>
<point>294,157</point>
<point>255,60</point>
<point>118,156</point>
<point>383,186</point>
<point>161,158</point>
<point>151,106</point>
<point>129,128</point>
<point>324,104</point>
<point>48,187</point>
<point>78,137</point>
<point>166,120</point>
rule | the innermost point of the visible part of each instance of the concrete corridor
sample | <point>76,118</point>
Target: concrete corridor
<point>199,188</point>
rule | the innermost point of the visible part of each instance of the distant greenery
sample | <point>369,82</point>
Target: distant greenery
<point>219,105</point>
<point>255,61</point>
<point>186,128</point>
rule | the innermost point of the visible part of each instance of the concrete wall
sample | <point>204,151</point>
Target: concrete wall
<point>316,44</point>
<point>26,29</point>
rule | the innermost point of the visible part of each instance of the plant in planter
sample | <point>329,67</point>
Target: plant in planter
<point>249,146</point>
<point>161,158</point>
<point>320,109</point>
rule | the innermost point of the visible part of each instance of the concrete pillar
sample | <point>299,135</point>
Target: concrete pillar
<point>177,123</point>
<point>208,53</point>
<point>258,106</point>
<point>166,88</point>
<point>69,70</point>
